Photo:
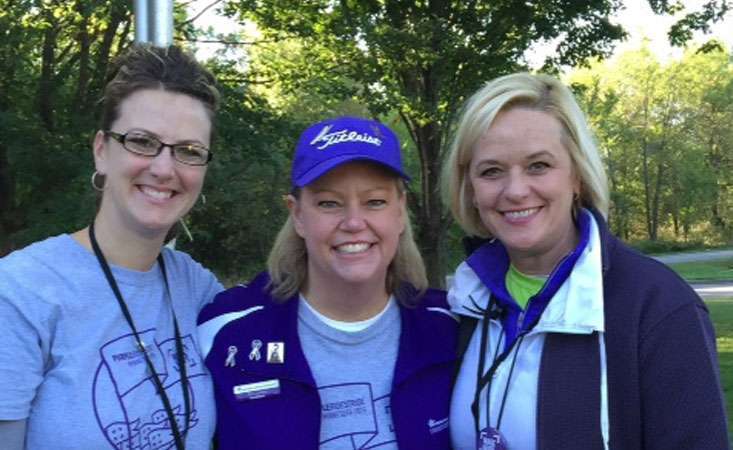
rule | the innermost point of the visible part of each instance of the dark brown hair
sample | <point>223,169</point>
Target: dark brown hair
<point>171,69</point>
<point>146,67</point>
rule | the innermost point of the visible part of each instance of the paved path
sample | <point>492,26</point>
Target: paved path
<point>715,289</point>
<point>709,255</point>
<point>708,290</point>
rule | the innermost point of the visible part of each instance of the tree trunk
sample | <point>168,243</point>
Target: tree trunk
<point>46,82</point>
<point>8,63</point>
<point>716,218</point>
<point>117,15</point>
<point>647,190</point>
<point>431,224</point>
<point>422,87</point>
<point>716,161</point>
<point>6,201</point>
<point>654,235</point>
<point>82,85</point>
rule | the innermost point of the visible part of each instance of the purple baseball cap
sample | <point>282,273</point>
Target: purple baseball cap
<point>333,142</point>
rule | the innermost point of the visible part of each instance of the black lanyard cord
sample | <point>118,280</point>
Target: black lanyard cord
<point>484,379</point>
<point>180,355</point>
<point>482,360</point>
<point>484,339</point>
<point>506,387</point>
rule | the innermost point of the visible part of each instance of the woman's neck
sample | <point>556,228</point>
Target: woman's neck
<point>348,303</point>
<point>541,262</point>
<point>121,247</point>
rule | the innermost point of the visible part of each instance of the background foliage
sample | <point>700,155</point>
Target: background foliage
<point>669,146</point>
<point>664,127</point>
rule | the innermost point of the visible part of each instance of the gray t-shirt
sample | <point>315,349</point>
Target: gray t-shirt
<point>353,372</point>
<point>69,363</point>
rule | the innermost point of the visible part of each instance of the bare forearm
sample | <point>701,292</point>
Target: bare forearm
<point>12,434</point>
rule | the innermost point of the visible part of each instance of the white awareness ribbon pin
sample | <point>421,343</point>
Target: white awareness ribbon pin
<point>230,362</point>
<point>255,353</point>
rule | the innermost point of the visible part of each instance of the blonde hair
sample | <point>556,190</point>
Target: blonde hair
<point>534,92</point>
<point>288,263</point>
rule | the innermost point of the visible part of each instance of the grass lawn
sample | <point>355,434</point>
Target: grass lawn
<point>721,312</point>
<point>705,271</point>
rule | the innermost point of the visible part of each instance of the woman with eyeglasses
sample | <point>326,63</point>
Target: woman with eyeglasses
<point>570,340</point>
<point>339,345</point>
<point>98,344</point>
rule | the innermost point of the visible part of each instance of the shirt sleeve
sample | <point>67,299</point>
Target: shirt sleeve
<point>204,284</point>
<point>210,288</point>
<point>24,348</point>
<point>12,434</point>
<point>682,400</point>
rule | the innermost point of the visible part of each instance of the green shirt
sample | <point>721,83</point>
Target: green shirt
<point>521,286</point>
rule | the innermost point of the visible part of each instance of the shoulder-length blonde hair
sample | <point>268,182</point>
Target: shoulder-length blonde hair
<point>288,262</point>
<point>521,90</point>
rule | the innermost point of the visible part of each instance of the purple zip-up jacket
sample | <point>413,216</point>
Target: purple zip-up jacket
<point>291,419</point>
<point>664,388</point>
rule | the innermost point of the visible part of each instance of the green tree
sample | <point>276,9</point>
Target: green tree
<point>663,130</point>
<point>709,96</point>
<point>234,228</point>
<point>420,59</point>
<point>53,59</point>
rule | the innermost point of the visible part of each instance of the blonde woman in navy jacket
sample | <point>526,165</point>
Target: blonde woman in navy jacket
<point>339,345</point>
<point>573,340</point>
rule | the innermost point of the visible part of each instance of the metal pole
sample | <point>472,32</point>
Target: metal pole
<point>161,21</point>
<point>141,21</point>
<point>154,22</point>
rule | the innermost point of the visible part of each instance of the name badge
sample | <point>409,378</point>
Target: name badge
<point>490,439</point>
<point>260,389</point>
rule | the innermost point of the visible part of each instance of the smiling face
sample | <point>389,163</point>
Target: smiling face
<point>143,195</point>
<point>351,219</point>
<point>523,183</point>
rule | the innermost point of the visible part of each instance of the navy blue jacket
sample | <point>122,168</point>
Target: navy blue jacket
<point>421,388</point>
<point>664,387</point>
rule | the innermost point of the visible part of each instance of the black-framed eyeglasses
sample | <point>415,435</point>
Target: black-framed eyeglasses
<point>144,144</point>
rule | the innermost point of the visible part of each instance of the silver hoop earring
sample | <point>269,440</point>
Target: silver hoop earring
<point>95,185</point>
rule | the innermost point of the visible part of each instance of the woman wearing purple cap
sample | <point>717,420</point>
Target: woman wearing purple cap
<point>339,345</point>
<point>571,340</point>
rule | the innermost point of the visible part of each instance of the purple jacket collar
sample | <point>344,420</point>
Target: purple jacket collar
<point>490,262</point>
<point>413,355</point>
<point>285,328</point>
